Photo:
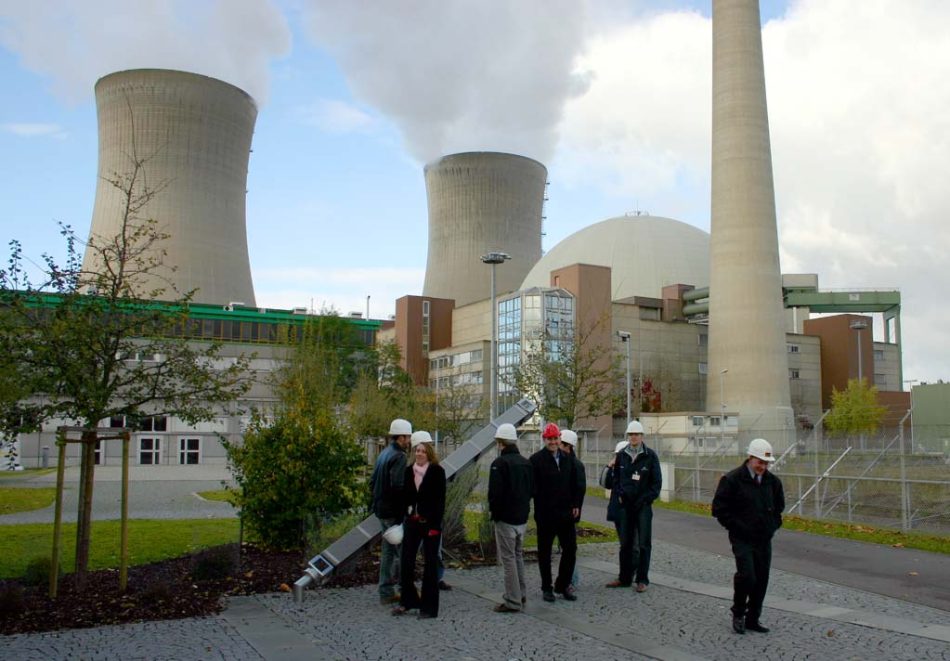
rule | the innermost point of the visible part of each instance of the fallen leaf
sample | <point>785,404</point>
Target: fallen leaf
<point>284,587</point>
<point>912,573</point>
<point>898,545</point>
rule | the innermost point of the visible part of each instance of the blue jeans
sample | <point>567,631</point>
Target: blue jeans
<point>388,563</point>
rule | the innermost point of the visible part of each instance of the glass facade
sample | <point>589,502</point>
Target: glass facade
<point>530,322</point>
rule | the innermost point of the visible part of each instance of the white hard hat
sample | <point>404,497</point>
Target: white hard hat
<point>634,428</point>
<point>506,432</point>
<point>419,437</point>
<point>569,437</point>
<point>400,427</point>
<point>394,534</point>
<point>761,449</point>
<point>621,445</point>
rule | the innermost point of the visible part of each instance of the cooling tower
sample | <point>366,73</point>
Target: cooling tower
<point>193,134</point>
<point>746,327</point>
<point>481,202</point>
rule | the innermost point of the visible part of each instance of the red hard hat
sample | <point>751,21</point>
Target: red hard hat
<point>551,431</point>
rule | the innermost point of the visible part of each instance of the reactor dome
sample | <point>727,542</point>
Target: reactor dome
<point>644,253</point>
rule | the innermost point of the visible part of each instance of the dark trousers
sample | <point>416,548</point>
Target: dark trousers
<point>567,539</point>
<point>416,534</point>
<point>753,561</point>
<point>636,545</point>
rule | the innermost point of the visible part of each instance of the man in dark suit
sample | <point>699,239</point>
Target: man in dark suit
<point>557,503</point>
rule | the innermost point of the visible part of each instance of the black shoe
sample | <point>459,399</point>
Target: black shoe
<point>738,624</point>
<point>568,594</point>
<point>617,584</point>
<point>444,586</point>
<point>754,625</point>
<point>505,608</point>
<point>547,595</point>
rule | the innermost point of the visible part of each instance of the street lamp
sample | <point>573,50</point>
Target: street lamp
<point>625,338</point>
<point>494,258</point>
<point>722,408</point>
<point>859,326</point>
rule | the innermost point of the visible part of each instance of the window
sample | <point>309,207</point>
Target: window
<point>650,314</point>
<point>697,421</point>
<point>714,421</point>
<point>878,354</point>
<point>97,455</point>
<point>703,368</point>
<point>703,339</point>
<point>880,380</point>
<point>793,374</point>
<point>793,348</point>
<point>150,451</point>
<point>117,422</point>
<point>154,423</point>
<point>189,450</point>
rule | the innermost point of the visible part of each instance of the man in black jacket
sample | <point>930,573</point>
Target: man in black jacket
<point>557,503</point>
<point>510,484</point>
<point>749,503</point>
<point>636,474</point>
<point>386,485</point>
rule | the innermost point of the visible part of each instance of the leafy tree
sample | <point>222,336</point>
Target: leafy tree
<point>855,410</point>
<point>73,340</point>
<point>459,407</point>
<point>570,380</point>
<point>301,469</point>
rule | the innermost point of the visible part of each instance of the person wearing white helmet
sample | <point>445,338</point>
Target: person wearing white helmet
<point>614,506</point>
<point>569,446</point>
<point>510,484</point>
<point>636,474</point>
<point>386,485</point>
<point>425,437</point>
<point>748,503</point>
<point>424,501</point>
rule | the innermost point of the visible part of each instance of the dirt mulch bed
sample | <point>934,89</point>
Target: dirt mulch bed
<point>189,586</point>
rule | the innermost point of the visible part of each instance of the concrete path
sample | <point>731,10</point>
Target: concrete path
<point>683,615</point>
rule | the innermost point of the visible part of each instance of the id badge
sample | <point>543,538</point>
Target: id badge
<point>635,476</point>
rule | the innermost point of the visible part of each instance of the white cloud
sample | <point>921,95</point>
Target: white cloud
<point>33,130</point>
<point>76,42</point>
<point>336,116</point>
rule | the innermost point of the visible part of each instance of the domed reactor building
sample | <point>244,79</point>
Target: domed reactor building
<point>192,136</point>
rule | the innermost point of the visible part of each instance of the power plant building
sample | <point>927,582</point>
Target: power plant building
<point>481,202</point>
<point>191,136</point>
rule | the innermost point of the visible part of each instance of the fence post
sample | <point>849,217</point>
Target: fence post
<point>905,504</point>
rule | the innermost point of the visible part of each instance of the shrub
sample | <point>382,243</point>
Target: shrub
<point>456,498</point>
<point>38,570</point>
<point>214,563</point>
<point>322,534</point>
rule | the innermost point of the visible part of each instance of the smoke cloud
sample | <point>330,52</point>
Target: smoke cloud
<point>77,42</point>
<point>467,75</point>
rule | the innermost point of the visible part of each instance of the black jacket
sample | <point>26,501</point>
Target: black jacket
<point>638,480</point>
<point>556,489</point>
<point>510,485</point>
<point>428,501</point>
<point>387,481</point>
<point>750,513</point>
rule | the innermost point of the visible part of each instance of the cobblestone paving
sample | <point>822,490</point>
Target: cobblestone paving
<point>196,638</point>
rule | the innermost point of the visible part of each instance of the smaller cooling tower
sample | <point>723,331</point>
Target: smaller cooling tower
<point>193,135</point>
<point>481,202</point>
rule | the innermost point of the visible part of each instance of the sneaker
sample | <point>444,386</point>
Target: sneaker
<point>444,586</point>
<point>755,625</point>
<point>568,594</point>
<point>505,608</point>
<point>547,595</point>
<point>617,584</point>
<point>641,587</point>
<point>738,624</point>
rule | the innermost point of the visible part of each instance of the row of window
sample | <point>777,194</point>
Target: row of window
<point>464,379</point>
<point>149,451</point>
<point>463,358</point>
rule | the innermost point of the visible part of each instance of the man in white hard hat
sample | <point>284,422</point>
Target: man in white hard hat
<point>748,503</point>
<point>636,473</point>
<point>510,484</point>
<point>569,447</point>
<point>386,485</point>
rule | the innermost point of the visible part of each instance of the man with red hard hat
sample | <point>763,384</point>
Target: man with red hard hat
<point>557,503</point>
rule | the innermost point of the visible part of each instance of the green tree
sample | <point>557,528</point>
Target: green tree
<point>301,468</point>
<point>855,409</point>
<point>74,341</point>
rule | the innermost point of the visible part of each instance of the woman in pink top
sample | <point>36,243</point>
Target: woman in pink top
<point>424,502</point>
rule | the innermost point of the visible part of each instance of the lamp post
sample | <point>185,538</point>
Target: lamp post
<point>859,326</point>
<point>625,338</point>
<point>494,258</point>
<point>722,407</point>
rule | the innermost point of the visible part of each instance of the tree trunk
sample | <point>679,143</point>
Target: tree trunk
<point>84,516</point>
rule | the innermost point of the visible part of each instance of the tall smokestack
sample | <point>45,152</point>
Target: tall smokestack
<point>194,133</point>
<point>746,322</point>
<point>481,202</point>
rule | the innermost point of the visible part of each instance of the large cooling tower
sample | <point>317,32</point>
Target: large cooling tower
<point>746,328</point>
<point>481,202</point>
<point>193,135</point>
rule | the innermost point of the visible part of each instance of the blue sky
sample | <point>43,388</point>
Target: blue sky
<point>612,96</point>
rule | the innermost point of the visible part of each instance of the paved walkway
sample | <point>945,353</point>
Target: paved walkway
<point>683,615</point>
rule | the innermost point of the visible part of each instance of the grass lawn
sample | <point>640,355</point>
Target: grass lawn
<point>587,533</point>
<point>14,500</point>
<point>14,476</point>
<point>150,540</point>
<point>219,495</point>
